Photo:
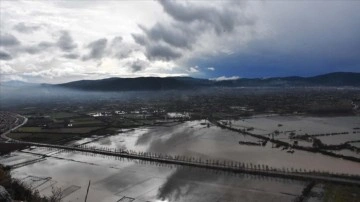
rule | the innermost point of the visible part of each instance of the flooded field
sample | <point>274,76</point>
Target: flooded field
<point>119,179</point>
<point>114,179</point>
<point>339,139</point>
<point>329,130</point>
<point>194,138</point>
<point>299,124</point>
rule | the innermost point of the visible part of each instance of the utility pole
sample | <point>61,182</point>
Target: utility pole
<point>87,191</point>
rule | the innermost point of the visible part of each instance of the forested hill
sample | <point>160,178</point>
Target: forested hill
<point>180,83</point>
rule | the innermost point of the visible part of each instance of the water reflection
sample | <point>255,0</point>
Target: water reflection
<point>161,140</point>
<point>193,139</point>
<point>113,178</point>
<point>204,185</point>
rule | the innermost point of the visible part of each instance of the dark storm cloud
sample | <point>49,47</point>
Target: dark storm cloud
<point>34,49</point>
<point>174,35</point>
<point>31,49</point>
<point>168,41</point>
<point>5,56</point>
<point>66,42</point>
<point>154,50</point>
<point>8,40</point>
<point>97,49</point>
<point>71,56</point>
<point>223,19</point>
<point>302,45</point>
<point>119,49</point>
<point>23,28</point>
<point>270,59</point>
<point>139,39</point>
<point>161,52</point>
<point>45,44</point>
<point>138,65</point>
<point>116,40</point>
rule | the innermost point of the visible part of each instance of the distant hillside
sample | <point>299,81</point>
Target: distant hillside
<point>181,83</point>
<point>137,84</point>
<point>16,83</point>
<point>337,79</point>
<point>332,79</point>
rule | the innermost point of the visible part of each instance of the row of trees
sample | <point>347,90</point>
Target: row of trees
<point>200,161</point>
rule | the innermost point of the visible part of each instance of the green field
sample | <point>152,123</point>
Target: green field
<point>338,193</point>
<point>86,121</point>
<point>41,137</point>
<point>29,129</point>
<point>70,130</point>
<point>80,130</point>
<point>55,131</point>
<point>63,115</point>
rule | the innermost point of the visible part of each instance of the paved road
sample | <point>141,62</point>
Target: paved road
<point>4,135</point>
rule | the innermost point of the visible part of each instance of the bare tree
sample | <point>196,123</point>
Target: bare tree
<point>56,194</point>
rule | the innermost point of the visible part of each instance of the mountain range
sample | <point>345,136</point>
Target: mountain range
<point>336,79</point>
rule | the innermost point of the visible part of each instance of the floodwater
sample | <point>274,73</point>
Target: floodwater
<point>339,139</point>
<point>119,179</point>
<point>299,124</point>
<point>194,138</point>
<point>355,144</point>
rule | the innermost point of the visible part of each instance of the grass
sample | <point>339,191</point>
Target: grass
<point>80,130</point>
<point>81,126</point>
<point>339,193</point>
<point>63,115</point>
<point>29,129</point>
<point>120,122</point>
<point>37,134</point>
<point>87,121</point>
<point>41,137</point>
<point>3,174</point>
<point>84,119</point>
<point>78,121</point>
<point>126,124</point>
<point>113,129</point>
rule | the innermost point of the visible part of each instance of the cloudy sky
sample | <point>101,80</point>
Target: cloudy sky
<point>60,41</point>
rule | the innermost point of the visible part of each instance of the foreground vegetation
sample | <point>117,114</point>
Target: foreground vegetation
<point>338,193</point>
<point>20,192</point>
